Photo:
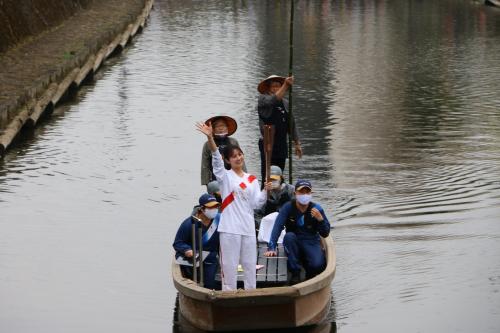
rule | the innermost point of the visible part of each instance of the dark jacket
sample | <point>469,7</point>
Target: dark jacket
<point>276,199</point>
<point>275,112</point>
<point>183,240</point>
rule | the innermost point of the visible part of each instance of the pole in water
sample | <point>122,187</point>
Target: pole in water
<point>290,115</point>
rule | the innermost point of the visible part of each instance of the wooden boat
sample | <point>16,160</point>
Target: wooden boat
<point>495,3</point>
<point>303,304</point>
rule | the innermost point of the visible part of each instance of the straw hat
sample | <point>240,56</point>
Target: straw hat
<point>231,123</point>
<point>263,85</point>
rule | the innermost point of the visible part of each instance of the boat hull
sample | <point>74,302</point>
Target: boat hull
<point>303,304</point>
<point>495,3</point>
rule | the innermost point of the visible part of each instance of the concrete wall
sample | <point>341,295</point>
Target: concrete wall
<point>20,19</point>
<point>52,60</point>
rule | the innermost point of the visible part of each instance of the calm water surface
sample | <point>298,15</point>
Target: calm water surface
<point>398,106</point>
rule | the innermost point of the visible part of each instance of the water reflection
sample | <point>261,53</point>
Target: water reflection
<point>181,326</point>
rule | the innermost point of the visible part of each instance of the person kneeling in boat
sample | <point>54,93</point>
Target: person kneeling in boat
<point>304,222</point>
<point>213,188</point>
<point>207,214</point>
<point>280,193</point>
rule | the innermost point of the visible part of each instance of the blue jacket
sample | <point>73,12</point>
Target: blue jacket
<point>183,240</point>
<point>323,227</point>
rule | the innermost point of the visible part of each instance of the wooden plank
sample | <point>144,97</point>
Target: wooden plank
<point>261,260</point>
<point>13,128</point>
<point>126,35</point>
<point>99,58</point>
<point>41,105</point>
<point>85,70</point>
<point>282,265</point>
<point>275,268</point>
<point>272,264</point>
<point>135,27</point>
<point>64,85</point>
<point>113,45</point>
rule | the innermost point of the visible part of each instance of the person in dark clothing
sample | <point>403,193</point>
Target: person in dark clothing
<point>208,216</point>
<point>304,222</point>
<point>273,110</point>
<point>280,193</point>
<point>213,188</point>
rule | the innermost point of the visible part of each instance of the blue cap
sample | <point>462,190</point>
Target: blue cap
<point>301,183</point>
<point>208,200</point>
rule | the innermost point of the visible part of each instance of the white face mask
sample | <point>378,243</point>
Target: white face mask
<point>211,212</point>
<point>303,199</point>
<point>276,184</point>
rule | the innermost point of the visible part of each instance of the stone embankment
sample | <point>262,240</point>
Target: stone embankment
<point>48,48</point>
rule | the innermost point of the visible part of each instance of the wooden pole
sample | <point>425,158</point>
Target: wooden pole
<point>200,253</point>
<point>290,114</point>
<point>193,244</point>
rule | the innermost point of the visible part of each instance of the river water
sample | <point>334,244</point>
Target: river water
<point>398,106</point>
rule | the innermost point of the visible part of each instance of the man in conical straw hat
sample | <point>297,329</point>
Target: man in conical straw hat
<point>223,128</point>
<point>273,110</point>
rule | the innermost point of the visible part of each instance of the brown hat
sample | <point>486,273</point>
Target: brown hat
<point>263,85</point>
<point>230,122</point>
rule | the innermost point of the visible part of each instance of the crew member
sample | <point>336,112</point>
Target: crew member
<point>304,222</point>
<point>207,217</point>
<point>272,107</point>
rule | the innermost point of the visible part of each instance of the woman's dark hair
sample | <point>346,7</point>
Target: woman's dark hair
<point>229,150</point>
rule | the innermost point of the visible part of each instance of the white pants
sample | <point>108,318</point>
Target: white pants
<point>235,249</point>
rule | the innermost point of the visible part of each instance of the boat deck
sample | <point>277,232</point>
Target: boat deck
<point>274,271</point>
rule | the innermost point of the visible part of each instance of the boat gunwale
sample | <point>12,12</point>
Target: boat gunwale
<point>190,289</point>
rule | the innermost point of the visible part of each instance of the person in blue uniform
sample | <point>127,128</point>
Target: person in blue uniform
<point>304,222</point>
<point>207,214</point>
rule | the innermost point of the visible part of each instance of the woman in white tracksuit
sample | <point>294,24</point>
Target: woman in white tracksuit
<point>241,195</point>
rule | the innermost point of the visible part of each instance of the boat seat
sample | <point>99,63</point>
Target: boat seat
<point>273,274</point>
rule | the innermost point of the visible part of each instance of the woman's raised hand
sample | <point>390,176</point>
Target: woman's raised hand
<point>205,129</point>
<point>208,131</point>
